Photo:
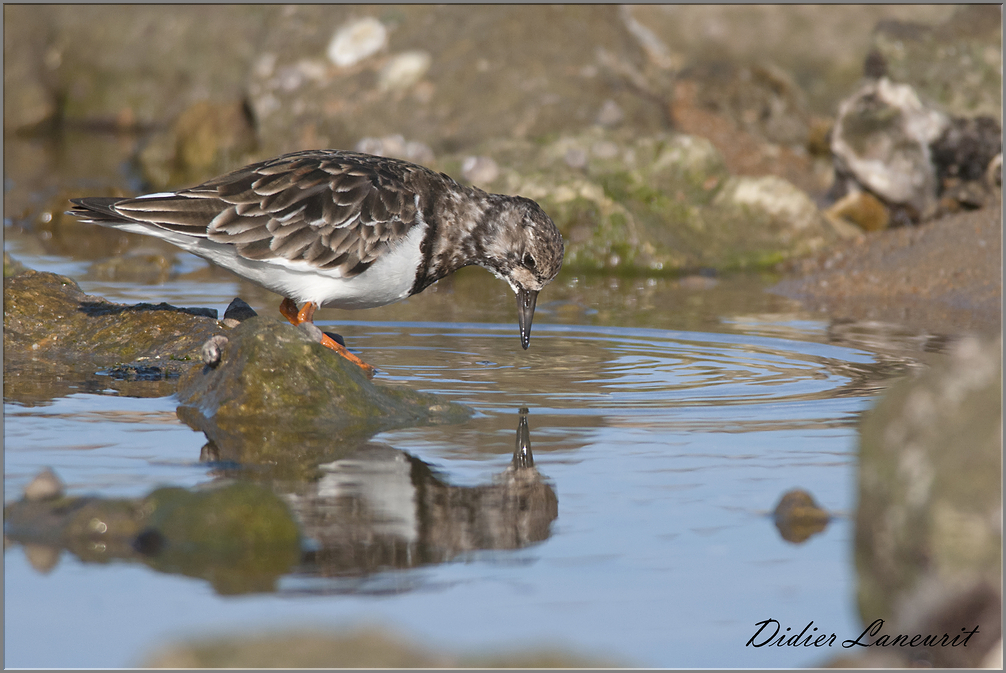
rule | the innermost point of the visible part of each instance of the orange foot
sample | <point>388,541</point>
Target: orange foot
<point>306,314</point>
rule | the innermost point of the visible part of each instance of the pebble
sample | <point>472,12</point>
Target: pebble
<point>239,310</point>
<point>611,114</point>
<point>397,147</point>
<point>356,41</point>
<point>575,157</point>
<point>403,70</point>
<point>212,351</point>
<point>479,170</point>
<point>312,331</point>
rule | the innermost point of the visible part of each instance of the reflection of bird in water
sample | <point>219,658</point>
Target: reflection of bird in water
<point>522,453</point>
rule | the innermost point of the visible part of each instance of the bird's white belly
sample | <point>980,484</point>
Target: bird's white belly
<point>386,281</point>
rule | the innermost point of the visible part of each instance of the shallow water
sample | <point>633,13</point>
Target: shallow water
<point>668,417</point>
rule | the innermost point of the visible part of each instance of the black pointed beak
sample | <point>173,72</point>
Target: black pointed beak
<point>526,300</point>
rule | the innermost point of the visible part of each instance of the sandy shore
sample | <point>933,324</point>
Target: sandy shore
<point>944,277</point>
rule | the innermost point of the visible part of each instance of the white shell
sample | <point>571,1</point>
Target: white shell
<point>356,41</point>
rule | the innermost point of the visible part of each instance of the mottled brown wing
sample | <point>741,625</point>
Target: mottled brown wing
<point>335,210</point>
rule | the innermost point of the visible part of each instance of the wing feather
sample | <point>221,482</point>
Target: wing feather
<point>333,209</point>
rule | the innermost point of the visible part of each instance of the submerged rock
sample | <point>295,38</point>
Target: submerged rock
<point>273,392</point>
<point>798,516</point>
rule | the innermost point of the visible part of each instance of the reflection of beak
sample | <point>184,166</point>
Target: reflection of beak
<point>526,300</point>
<point>522,452</point>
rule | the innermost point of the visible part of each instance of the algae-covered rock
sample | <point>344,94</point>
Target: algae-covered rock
<point>797,516</point>
<point>11,267</point>
<point>929,518</point>
<point>662,203</point>
<point>207,139</point>
<point>355,648</point>
<point>277,394</point>
<point>47,317</point>
<point>956,64</point>
<point>58,340</point>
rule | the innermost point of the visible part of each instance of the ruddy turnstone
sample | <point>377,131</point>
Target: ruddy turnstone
<point>348,230</point>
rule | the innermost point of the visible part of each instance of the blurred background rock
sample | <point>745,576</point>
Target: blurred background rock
<point>571,105</point>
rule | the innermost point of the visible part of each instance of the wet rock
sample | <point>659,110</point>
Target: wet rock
<point>798,516</point>
<point>956,63</point>
<point>881,141</point>
<point>660,203</point>
<point>55,333</point>
<point>929,519</point>
<point>238,311</point>
<point>357,648</point>
<point>277,393</point>
<point>47,316</point>
<point>11,267</point>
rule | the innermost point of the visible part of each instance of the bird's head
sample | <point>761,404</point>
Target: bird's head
<point>526,251</point>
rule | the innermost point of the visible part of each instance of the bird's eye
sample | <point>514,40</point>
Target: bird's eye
<point>529,261</point>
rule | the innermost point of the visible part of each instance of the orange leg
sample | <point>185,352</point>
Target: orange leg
<point>306,314</point>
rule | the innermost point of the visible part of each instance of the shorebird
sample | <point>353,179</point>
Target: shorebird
<point>346,230</point>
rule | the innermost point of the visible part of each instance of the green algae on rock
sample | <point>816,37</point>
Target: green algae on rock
<point>48,317</point>
<point>658,204</point>
<point>928,541</point>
